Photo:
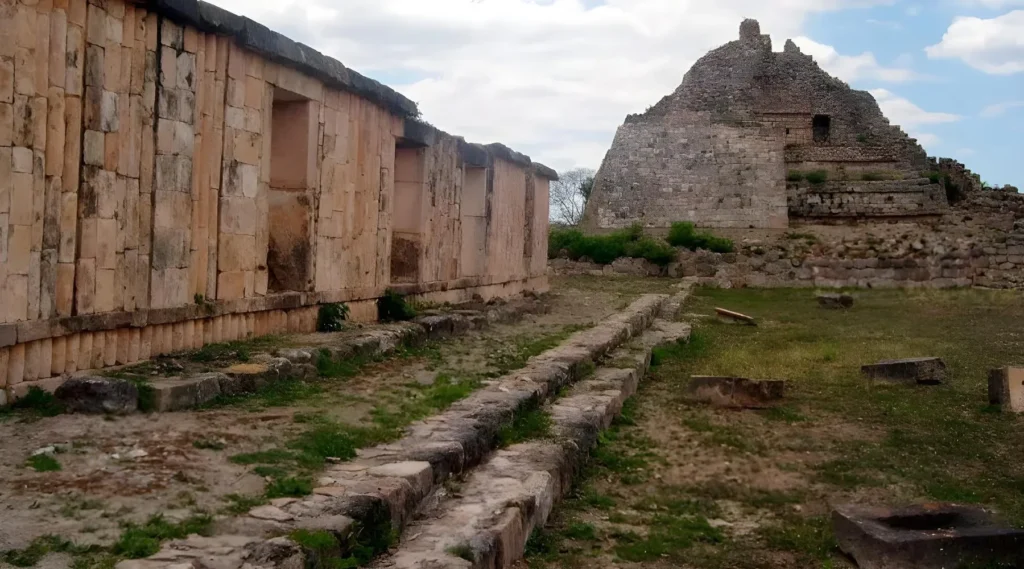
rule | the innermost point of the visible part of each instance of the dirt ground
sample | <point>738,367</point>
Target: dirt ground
<point>680,484</point>
<point>96,476</point>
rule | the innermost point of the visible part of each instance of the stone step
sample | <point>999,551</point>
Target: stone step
<point>385,485</point>
<point>501,502</point>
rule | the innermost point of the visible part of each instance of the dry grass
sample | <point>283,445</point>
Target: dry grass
<point>763,481</point>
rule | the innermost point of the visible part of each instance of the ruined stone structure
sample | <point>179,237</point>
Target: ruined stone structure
<point>734,144</point>
<point>173,175</point>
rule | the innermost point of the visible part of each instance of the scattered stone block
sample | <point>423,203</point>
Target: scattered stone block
<point>922,371</point>
<point>736,316</point>
<point>736,392</point>
<point>1006,388</point>
<point>926,536</point>
<point>186,393</point>
<point>98,395</point>
<point>835,301</point>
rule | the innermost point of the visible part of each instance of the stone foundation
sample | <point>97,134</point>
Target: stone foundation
<point>54,351</point>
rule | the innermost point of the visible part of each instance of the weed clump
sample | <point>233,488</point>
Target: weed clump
<point>392,307</point>
<point>817,177</point>
<point>332,317</point>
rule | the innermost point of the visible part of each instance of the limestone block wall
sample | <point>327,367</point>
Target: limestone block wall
<point>684,167</point>
<point>173,175</point>
<point>885,198</point>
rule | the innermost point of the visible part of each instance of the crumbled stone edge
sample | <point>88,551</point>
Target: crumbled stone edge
<point>389,482</point>
<point>501,503</point>
<point>191,392</point>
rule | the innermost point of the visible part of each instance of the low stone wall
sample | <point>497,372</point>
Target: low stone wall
<point>802,260</point>
<point>888,198</point>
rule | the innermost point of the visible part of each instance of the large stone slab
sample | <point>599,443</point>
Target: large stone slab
<point>923,371</point>
<point>178,394</point>
<point>736,392</point>
<point>929,536</point>
<point>1006,388</point>
<point>98,395</point>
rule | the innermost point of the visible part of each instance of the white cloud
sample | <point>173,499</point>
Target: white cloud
<point>851,68</point>
<point>905,113</point>
<point>552,78</point>
<point>993,4</point>
<point>1000,109</point>
<point>910,117</point>
<point>965,152</point>
<point>994,45</point>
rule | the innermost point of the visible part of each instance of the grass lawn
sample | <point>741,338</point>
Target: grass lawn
<point>676,484</point>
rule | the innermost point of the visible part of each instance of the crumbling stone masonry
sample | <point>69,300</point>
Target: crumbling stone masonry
<point>173,175</point>
<point>731,148</point>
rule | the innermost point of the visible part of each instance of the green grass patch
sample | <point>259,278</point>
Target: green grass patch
<point>142,540</point>
<point>37,403</point>
<point>239,504</point>
<point>811,538</point>
<point>668,537</point>
<point>533,422</point>
<point>685,234</point>
<point>515,355</point>
<point>462,551</point>
<point>43,463</point>
<point>239,351</point>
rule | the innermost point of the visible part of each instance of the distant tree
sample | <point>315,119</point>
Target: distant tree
<point>569,195</point>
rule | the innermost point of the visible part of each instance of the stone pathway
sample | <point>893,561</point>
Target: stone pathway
<point>387,485</point>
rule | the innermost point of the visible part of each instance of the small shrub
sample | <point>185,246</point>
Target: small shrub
<point>872,177</point>
<point>863,138</point>
<point>795,176</point>
<point>392,307</point>
<point>604,249</point>
<point>684,234</point>
<point>933,177</point>
<point>653,250</point>
<point>817,177</point>
<point>331,317</point>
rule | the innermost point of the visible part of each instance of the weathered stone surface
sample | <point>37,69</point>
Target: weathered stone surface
<point>186,393</point>
<point>736,392</point>
<point>835,301</point>
<point>925,371</point>
<point>1006,388</point>
<point>736,316</point>
<point>98,395</point>
<point>929,536</point>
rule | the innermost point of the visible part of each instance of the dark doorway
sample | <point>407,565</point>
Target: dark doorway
<point>822,125</point>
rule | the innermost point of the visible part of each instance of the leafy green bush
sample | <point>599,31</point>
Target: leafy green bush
<point>871,177</point>
<point>817,177</point>
<point>684,234</point>
<point>795,176</point>
<point>603,249</point>
<point>392,307</point>
<point>331,317</point>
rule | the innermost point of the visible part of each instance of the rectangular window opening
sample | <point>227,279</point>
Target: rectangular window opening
<point>292,171</point>
<point>822,126</point>
<point>407,238</point>
<point>473,211</point>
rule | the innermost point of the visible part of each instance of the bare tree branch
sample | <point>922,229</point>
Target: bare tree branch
<point>569,195</point>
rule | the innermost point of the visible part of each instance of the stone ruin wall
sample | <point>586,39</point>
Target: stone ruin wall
<point>719,149</point>
<point>684,167</point>
<point>979,242</point>
<point>146,206</point>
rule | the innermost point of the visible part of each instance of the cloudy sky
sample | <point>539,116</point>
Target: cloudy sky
<point>555,78</point>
